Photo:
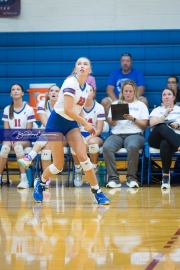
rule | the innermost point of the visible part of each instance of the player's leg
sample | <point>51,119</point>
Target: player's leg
<point>75,140</point>
<point>5,149</point>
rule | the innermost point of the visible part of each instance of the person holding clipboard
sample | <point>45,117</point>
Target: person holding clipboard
<point>129,118</point>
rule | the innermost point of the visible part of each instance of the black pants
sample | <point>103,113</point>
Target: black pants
<point>164,138</point>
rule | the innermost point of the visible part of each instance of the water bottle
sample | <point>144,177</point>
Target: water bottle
<point>29,177</point>
<point>102,173</point>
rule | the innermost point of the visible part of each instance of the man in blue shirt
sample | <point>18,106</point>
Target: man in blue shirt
<point>117,77</point>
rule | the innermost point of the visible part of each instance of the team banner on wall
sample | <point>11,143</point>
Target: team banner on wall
<point>9,8</point>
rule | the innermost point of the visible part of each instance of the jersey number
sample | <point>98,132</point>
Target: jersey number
<point>81,101</point>
<point>17,122</point>
<point>90,120</point>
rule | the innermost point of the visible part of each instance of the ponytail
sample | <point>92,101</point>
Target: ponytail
<point>11,110</point>
<point>46,102</point>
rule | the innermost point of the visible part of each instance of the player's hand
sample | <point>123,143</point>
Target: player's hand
<point>90,128</point>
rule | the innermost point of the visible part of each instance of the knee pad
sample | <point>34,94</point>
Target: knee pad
<point>72,152</point>
<point>54,170</point>
<point>18,149</point>
<point>5,149</point>
<point>46,155</point>
<point>86,165</point>
<point>94,148</point>
<point>41,143</point>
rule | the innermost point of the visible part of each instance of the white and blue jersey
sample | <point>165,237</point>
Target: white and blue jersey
<point>93,115</point>
<point>58,120</point>
<point>174,115</point>
<point>72,88</point>
<point>41,108</point>
<point>117,78</point>
<point>20,118</point>
<point>138,110</point>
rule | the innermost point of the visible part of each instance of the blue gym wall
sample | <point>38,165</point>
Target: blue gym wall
<point>48,57</point>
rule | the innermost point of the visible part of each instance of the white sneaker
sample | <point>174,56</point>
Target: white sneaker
<point>113,184</point>
<point>165,182</point>
<point>132,184</point>
<point>78,178</point>
<point>23,183</point>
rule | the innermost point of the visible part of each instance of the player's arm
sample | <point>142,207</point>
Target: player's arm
<point>82,114</point>
<point>43,118</point>
<point>6,125</point>
<point>29,125</point>
<point>110,92</point>
<point>99,127</point>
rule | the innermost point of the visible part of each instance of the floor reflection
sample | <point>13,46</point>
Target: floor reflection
<point>68,231</point>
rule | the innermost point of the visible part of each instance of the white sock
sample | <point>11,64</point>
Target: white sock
<point>23,175</point>
<point>96,187</point>
<point>94,165</point>
<point>32,154</point>
<point>77,166</point>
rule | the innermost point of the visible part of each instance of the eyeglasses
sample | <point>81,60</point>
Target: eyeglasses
<point>171,82</point>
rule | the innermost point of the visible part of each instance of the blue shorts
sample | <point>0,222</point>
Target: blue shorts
<point>57,123</point>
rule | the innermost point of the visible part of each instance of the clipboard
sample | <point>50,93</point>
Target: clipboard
<point>118,110</point>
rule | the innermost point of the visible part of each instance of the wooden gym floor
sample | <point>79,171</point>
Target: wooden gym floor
<point>139,230</point>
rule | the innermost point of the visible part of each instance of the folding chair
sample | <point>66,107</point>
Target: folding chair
<point>154,154</point>
<point>12,157</point>
<point>122,155</point>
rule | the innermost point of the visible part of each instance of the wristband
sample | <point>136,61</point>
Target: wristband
<point>134,119</point>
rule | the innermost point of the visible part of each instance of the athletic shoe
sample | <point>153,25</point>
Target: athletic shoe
<point>4,182</point>
<point>38,191</point>
<point>23,183</point>
<point>78,178</point>
<point>113,183</point>
<point>99,197</point>
<point>165,182</point>
<point>25,161</point>
<point>132,183</point>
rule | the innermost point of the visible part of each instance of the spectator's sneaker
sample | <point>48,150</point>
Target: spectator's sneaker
<point>23,183</point>
<point>78,178</point>
<point>113,183</point>
<point>4,182</point>
<point>132,183</point>
<point>38,191</point>
<point>165,182</point>
<point>99,197</point>
<point>25,161</point>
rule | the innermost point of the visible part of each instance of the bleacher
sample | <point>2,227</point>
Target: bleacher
<point>46,57</point>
